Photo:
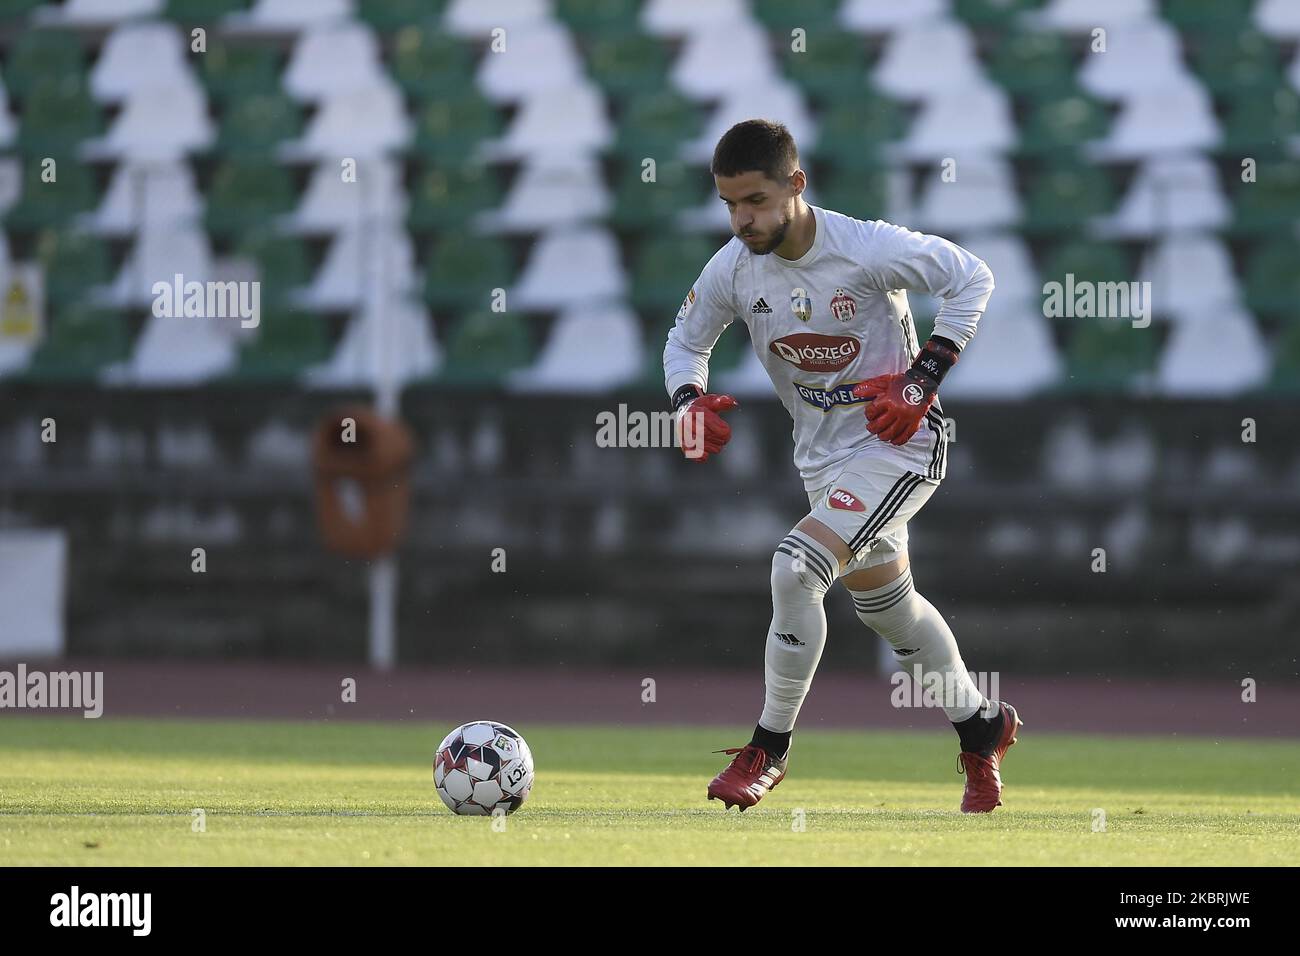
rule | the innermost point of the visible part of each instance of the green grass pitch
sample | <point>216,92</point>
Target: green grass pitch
<point>123,792</point>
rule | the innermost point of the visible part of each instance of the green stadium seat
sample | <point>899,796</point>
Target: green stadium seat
<point>642,205</point>
<point>288,341</point>
<point>1033,63</point>
<point>246,194</point>
<point>1258,120</point>
<point>831,63</point>
<point>1108,354</point>
<point>858,192</point>
<point>1286,358</point>
<point>853,128</point>
<point>464,270</point>
<point>1270,203</point>
<point>388,16</point>
<point>283,265</point>
<point>1062,124</point>
<point>627,63</point>
<point>11,10</point>
<point>38,56</point>
<point>449,128</point>
<point>1063,198</point>
<point>986,13</point>
<point>664,270</point>
<point>79,343</point>
<point>1195,16</point>
<point>1234,61</point>
<point>656,124</point>
<point>74,264</point>
<point>55,203</point>
<point>427,62</point>
<point>233,71</point>
<point>1272,280</point>
<point>726,354</point>
<point>1088,261</point>
<point>781,17</point>
<point>203,11</point>
<point>446,198</point>
<point>484,346</point>
<point>255,126</point>
<point>599,16</point>
<point>58,114</point>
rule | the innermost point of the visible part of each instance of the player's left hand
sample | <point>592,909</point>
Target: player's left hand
<point>897,404</point>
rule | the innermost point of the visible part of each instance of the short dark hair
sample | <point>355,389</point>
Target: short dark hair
<point>756,144</point>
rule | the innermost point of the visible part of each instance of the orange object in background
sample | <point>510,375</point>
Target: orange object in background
<point>361,462</point>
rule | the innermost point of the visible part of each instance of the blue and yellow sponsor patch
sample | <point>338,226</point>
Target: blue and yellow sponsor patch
<point>828,398</point>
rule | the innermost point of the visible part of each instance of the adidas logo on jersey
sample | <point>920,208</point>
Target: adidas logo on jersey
<point>789,639</point>
<point>761,307</point>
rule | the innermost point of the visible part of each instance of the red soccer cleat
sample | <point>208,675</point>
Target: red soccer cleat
<point>748,778</point>
<point>983,781</point>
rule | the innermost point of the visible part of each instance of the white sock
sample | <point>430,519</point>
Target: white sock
<point>921,637</point>
<point>802,572</point>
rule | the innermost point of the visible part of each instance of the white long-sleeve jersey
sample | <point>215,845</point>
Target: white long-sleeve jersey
<point>822,323</point>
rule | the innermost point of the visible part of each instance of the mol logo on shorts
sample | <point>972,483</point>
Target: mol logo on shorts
<point>841,499</point>
<point>816,353</point>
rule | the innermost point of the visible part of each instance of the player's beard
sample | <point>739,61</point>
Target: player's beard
<point>778,237</point>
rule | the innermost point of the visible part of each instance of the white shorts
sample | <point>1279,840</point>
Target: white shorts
<point>868,505</point>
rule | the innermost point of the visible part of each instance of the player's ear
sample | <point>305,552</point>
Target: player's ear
<point>798,180</point>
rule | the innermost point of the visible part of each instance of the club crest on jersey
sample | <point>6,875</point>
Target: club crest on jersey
<point>686,304</point>
<point>842,306</point>
<point>801,304</point>
<point>828,398</point>
<point>841,499</point>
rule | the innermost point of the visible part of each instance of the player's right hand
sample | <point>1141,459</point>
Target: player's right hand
<point>700,429</point>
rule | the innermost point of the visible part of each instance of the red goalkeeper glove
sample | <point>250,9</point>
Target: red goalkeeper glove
<point>897,403</point>
<point>701,431</point>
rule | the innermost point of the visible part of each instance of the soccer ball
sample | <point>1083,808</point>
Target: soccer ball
<point>481,766</point>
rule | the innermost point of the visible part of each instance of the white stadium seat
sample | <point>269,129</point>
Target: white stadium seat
<point>1168,119</point>
<point>157,256</point>
<point>1007,256</point>
<point>151,194</point>
<point>886,16</point>
<point>1189,272</point>
<point>474,18</point>
<point>158,124</point>
<point>983,196</point>
<point>360,124</point>
<point>1279,19</point>
<point>568,267</point>
<point>1082,16</point>
<point>402,327</point>
<point>1012,354</point>
<point>1168,194</point>
<point>541,57</point>
<point>8,128</point>
<point>331,59</point>
<point>1139,56</point>
<point>96,13</point>
<point>561,121</point>
<point>356,262</point>
<point>927,57</point>
<point>329,204</point>
<point>181,351</point>
<point>1214,354</point>
<point>551,192</point>
<point>722,57</point>
<point>678,17</point>
<point>140,57</point>
<point>288,16</point>
<point>592,347</point>
<point>971,120</point>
